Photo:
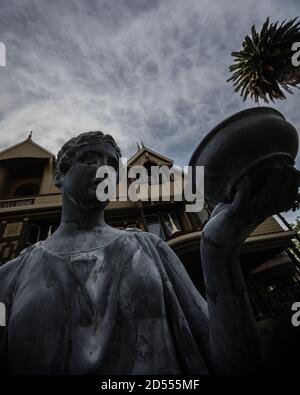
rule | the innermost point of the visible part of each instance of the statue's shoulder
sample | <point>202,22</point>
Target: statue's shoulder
<point>142,236</point>
<point>29,249</point>
<point>153,241</point>
<point>132,235</point>
<point>161,247</point>
<point>10,269</point>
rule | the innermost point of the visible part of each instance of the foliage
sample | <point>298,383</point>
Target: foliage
<point>263,69</point>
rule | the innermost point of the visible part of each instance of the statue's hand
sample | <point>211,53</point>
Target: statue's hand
<point>233,222</point>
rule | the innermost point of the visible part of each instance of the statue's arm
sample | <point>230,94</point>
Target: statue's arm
<point>234,344</point>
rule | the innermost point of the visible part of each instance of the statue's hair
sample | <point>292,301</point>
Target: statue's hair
<point>68,150</point>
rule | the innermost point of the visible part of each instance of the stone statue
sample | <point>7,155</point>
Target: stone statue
<point>92,299</point>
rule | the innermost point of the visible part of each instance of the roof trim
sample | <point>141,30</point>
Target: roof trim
<point>30,141</point>
<point>146,149</point>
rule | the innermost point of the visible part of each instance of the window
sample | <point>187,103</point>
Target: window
<point>33,234</point>
<point>51,230</point>
<point>171,223</point>
<point>154,226</point>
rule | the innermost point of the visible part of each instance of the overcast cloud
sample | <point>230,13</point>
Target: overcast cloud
<point>150,70</point>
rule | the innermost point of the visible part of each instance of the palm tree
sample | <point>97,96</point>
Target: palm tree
<point>263,69</point>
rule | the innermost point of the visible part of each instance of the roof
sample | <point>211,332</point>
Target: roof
<point>163,160</point>
<point>25,149</point>
<point>278,260</point>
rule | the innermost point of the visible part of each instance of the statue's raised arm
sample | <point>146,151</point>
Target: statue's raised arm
<point>248,161</point>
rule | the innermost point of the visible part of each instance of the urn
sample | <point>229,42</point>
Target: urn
<point>247,142</point>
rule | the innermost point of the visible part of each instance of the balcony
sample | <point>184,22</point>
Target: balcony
<point>9,204</point>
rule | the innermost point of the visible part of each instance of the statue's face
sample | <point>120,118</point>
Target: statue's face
<point>80,182</point>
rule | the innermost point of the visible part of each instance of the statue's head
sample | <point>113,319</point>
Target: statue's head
<point>77,163</point>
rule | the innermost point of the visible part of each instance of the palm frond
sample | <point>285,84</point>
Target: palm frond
<point>262,69</point>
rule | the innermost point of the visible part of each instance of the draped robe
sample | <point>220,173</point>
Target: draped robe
<point>128,307</point>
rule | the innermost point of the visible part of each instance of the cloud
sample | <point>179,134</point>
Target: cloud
<point>151,70</point>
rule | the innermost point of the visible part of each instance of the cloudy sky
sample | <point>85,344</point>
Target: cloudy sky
<point>150,70</point>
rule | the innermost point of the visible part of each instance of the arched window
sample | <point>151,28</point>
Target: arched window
<point>27,190</point>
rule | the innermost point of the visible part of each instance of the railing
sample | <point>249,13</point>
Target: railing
<point>16,203</point>
<point>50,198</point>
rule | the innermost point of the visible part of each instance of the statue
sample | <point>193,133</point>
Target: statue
<point>92,299</point>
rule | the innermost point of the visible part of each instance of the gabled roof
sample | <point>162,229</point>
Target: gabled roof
<point>25,149</point>
<point>146,153</point>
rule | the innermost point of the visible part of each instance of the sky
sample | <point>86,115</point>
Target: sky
<point>142,70</point>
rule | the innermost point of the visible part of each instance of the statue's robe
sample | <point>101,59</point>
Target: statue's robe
<point>126,308</point>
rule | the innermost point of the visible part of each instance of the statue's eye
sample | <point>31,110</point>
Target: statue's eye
<point>92,158</point>
<point>89,159</point>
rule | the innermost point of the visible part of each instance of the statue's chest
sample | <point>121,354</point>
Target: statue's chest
<point>79,293</point>
<point>66,308</point>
